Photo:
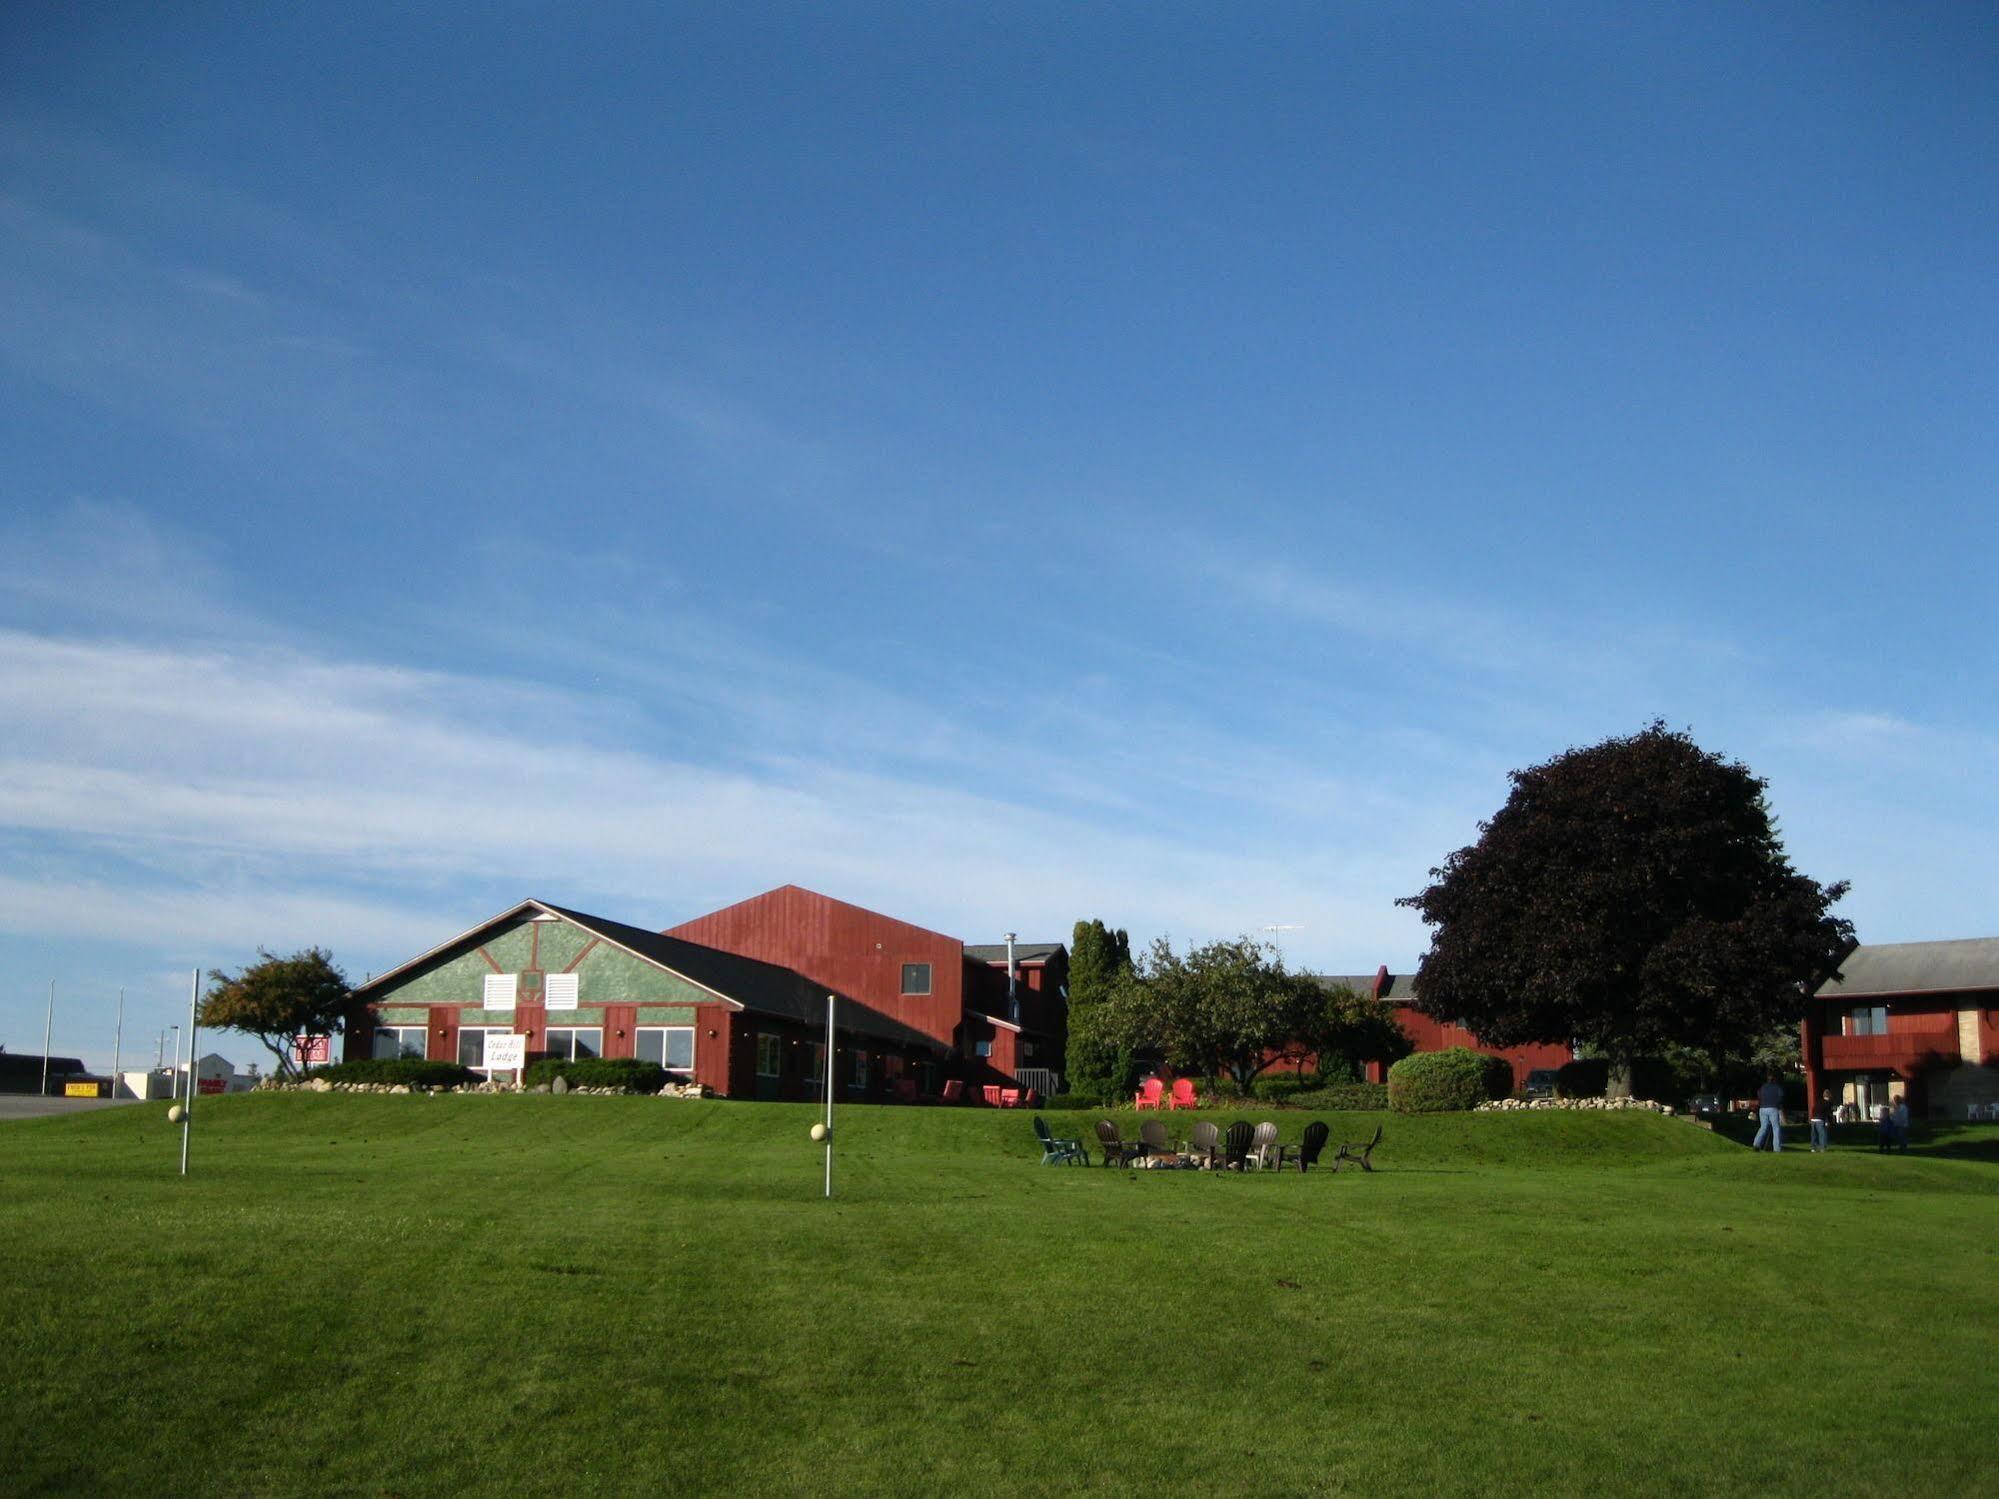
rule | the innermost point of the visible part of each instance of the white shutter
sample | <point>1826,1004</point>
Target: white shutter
<point>500,991</point>
<point>561,991</point>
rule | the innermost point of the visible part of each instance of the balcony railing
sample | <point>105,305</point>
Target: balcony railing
<point>1895,1049</point>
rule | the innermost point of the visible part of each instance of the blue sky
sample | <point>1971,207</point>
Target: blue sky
<point>1158,462</point>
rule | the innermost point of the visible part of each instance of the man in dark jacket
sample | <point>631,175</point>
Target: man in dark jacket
<point>1769,1114</point>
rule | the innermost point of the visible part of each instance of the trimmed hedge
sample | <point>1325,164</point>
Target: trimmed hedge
<point>1435,1082</point>
<point>627,1073</point>
<point>410,1071</point>
<point>1369,1098</point>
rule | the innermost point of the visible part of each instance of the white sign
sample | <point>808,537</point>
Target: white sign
<point>560,992</point>
<point>504,1052</point>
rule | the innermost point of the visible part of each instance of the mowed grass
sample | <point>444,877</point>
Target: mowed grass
<point>402,1295</point>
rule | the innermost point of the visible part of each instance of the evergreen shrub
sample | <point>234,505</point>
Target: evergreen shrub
<point>410,1071</point>
<point>628,1073</point>
<point>1435,1082</point>
<point>1369,1098</point>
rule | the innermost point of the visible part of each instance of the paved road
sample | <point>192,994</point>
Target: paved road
<point>28,1106</point>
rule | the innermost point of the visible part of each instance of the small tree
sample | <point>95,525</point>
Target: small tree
<point>1633,896</point>
<point>1228,1008</point>
<point>277,999</point>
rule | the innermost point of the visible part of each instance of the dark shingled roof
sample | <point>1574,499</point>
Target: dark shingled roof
<point>1916,968</point>
<point>764,987</point>
<point>1401,986</point>
<point>1023,952</point>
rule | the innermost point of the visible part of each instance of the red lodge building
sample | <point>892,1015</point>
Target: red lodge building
<point>735,999</point>
<point>1426,1034</point>
<point>1909,1019</point>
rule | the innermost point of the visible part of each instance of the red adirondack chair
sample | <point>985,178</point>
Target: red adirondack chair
<point>1149,1093</point>
<point>1183,1094</point>
<point>954,1091</point>
<point>1009,1098</point>
<point>992,1093</point>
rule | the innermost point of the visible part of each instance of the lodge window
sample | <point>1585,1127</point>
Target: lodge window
<point>770,1056</point>
<point>860,1069</point>
<point>672,1046</point>
<point>982,1048</point>
<point>499,991</point>
<point>472,1045</point>
<point>393,1042</point>
<point>571,1044</point>
<point>915,978</point>
<point>559,991</point>
<point>1868,1021</point>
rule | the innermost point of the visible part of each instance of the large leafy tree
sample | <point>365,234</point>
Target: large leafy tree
<point>276,999</point>
<point>1099,960</point>
<point>1231,1009</point>
<point>1634,896</point>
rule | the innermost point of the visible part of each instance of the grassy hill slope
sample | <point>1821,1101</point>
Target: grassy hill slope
<point>413,1296</point>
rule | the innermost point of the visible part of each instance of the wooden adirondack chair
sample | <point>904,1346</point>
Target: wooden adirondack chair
<point>1307,1154</point>
<point>1357,1154</point>
<point>1264,1151</point>
<point>1205,1143</point>
<point>1111,1143</point>
<point>1235,1144</point>
<point>1183,1094</point>
<point>1148,1093</point>
<point>1056,1152</point>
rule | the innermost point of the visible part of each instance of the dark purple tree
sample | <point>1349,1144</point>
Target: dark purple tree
<point>1630,896</point>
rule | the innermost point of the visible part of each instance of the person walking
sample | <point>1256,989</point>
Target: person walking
<point>1769,1114</point>
<point>1884,1129</point>
<point>1898,1119</point>
<point>1822,1122</point>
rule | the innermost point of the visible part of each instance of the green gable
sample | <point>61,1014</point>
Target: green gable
<point>605,974</point>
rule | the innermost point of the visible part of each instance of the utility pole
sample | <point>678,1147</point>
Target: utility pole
<point>118,1044</point>
<point>48,1028</point>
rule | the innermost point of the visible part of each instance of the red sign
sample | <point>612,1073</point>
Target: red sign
<point>211,1085</point>
<point>312,1051</point>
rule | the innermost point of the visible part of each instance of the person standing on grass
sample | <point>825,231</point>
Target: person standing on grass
<point>1898,1120</point>
<point>1884,1124</point>
<point>1769,1114</point>
<point>1822,1121</point>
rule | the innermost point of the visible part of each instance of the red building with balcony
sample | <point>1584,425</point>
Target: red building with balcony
<point>1909,1019</point>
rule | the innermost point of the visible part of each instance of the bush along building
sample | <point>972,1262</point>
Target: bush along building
<point>1909,1019</point>
<point>735,1000</point>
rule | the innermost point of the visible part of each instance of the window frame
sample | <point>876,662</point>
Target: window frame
<point>929,980</point>
<point>572,1031</point>
<point>663,1031</point>
<point>775,1044</point>
<point>482,1031</point>
<point>399,1032</point>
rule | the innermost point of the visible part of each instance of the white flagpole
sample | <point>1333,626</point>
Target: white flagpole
<point>187,1103</point>
<point>48,1029</point>
<point>829,1095</point>
<point>118,1044</point>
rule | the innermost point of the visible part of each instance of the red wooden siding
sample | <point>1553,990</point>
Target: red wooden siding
<point>847,948</point>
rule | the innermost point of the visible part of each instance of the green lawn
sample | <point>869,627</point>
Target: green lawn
<point>402,1295</point>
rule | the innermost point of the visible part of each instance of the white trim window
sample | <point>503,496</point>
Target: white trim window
<point>472,1045</point>
<point>573,1043</point>
<point>559,991</point>
<point>672,1046</point>
<point>770,1055</point>
<point>499,991</point>
<point>395,1043</point>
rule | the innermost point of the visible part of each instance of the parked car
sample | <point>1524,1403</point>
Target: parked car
<point>1540,1083</point>
<point>1708,1103</point>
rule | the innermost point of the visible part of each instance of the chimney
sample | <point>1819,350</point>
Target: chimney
<point>1012,982</point>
